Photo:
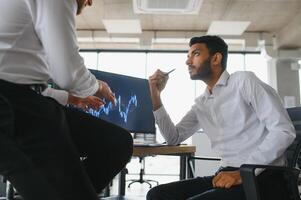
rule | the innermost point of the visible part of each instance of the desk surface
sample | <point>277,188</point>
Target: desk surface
<point>164,150</point>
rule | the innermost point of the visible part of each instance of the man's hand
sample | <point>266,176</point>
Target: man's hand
<point>86,103</point>
<point>105,92</point>
<point>226,179</point>
<point>157,83</point>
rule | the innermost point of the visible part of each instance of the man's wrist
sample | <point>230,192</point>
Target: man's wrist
<point>100,86</point>
<point>72,100</point>
<point>99,91</point>
<point>156,103</point>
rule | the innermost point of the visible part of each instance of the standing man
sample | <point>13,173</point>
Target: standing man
<point>242,116</point>
<point>41,142</point>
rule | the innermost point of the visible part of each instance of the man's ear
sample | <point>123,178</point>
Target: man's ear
<point>217,59</point>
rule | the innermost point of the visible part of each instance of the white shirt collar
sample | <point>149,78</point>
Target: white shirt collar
<point>222,81</point>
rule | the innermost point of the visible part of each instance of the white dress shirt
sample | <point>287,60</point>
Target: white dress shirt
<point>243,118</point>
<point>38,40</point>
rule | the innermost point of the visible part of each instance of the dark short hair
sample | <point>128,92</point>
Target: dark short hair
<point>215,44</point>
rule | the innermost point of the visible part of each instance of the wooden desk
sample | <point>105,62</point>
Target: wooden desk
<point>163,150</point>
<point>184,151</point>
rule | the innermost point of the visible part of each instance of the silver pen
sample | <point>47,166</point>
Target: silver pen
<point>169,72</point>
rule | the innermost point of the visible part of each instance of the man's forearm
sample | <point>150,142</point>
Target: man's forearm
<point>157,103</point>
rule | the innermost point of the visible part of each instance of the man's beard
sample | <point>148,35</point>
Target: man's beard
<point>203,73</point>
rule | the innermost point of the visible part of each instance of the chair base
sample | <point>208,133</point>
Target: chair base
<point>147,181</point>
<point>141,174</point>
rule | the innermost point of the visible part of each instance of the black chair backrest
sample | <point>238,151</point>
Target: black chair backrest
<point>292,153</point>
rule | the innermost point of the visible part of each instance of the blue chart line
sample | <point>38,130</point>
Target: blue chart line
<point>109,107</point>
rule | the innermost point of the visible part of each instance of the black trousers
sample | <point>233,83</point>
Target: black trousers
<point>41,143</point>
<point>199,188</point>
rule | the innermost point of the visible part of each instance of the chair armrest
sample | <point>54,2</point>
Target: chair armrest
<point>272,167</point>
<point>250,183</point>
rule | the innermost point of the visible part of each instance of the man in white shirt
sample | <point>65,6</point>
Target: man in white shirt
<point>41,141</point>
<point>242,116</point>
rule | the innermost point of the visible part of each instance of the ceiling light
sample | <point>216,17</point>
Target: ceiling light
<point>167,6</point>
<point>122,26</point>
<point>228,27</point>
<point>171,40</point>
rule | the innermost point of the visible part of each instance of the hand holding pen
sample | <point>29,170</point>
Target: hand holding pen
<point>158,81</point>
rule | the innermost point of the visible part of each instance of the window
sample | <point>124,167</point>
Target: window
<point>235,63</point>
<point>130,64</point>
<point>179,94</point>
<point>257,64</point>
<point>90,59</point>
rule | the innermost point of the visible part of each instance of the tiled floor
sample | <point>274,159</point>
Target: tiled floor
<point>138,191</point>
<point>159,165</point>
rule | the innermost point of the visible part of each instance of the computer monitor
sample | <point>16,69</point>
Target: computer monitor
<point>133,110</point>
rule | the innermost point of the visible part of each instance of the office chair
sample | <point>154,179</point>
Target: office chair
<point>287,176</point>
<point>141,173</point>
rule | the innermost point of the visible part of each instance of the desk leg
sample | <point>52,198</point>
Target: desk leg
<point>190,173</point>
<point>183,162</point>
<point>121,186</point>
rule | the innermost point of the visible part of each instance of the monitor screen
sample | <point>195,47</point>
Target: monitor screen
<point>133,110</point>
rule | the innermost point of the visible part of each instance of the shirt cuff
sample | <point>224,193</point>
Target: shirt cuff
<point>96,87</point>
<point>60,96</point>
<point>99,85</point>
<point>91,92</point>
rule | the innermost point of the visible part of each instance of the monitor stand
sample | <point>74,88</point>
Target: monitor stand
<point>146,139</point>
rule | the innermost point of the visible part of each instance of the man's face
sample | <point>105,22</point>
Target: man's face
<point>81,4</point>
<point>199,62</point>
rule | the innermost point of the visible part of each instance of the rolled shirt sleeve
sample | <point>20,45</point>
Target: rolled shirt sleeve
<point>175,134</point>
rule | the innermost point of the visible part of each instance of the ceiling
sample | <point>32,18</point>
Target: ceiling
<point>276,18</point>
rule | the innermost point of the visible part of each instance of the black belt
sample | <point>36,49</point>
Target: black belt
<point>38,88</point>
